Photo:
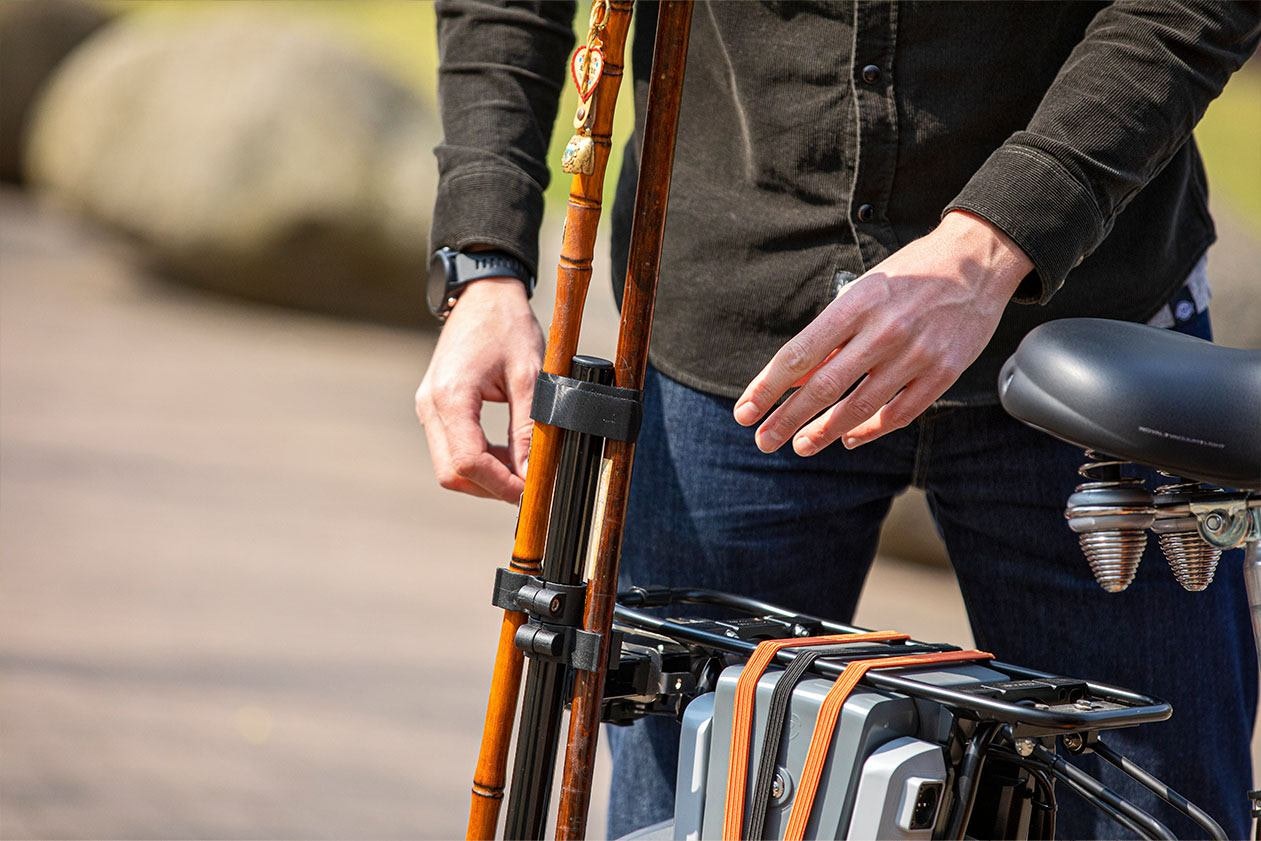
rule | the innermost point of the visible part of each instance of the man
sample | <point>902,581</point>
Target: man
<point>959,173</point>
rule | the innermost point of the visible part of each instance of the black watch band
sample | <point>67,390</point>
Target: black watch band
<point>450,271</point>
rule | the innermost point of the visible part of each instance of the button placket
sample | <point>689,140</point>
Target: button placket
<point>875,27</point>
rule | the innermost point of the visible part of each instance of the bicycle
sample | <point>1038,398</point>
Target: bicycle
<point>912,739</point>
<point>968,750</point>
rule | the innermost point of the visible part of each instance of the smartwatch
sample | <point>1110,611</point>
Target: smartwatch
<point>450,271</point>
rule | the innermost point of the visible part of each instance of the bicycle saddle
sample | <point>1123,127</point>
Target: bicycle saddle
<point>1144,394</point>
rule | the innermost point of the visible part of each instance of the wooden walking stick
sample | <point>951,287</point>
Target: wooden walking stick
<point>597,70</point>
<point>665,93</point>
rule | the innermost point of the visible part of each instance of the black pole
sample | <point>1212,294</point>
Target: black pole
<point>1202,818</point>
<point>1134,817</point>
<point>968,778</point>
<point>543,702</point>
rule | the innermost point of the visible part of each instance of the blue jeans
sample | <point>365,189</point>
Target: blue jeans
<point>708,509</point>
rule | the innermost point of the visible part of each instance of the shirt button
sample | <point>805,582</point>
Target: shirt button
<point>865,213</point>
<point>840,280</point>
<point>871,74</point>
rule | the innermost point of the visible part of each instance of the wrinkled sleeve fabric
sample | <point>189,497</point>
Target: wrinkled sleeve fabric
<point>500,73</point>
<point>1124,103</point>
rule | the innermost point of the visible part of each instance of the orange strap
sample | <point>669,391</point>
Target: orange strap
<point>829,712</point>
<point>742,715</point>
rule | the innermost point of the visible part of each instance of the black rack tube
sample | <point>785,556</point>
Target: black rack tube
<point>1147,825</point>
<point>1153,784</point>
<point>969,777</point>
<point>1137,709</point>
<point>564,555</point>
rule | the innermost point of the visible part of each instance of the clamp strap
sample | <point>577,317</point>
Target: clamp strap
<point>742,715</point>
<point>585,655</point>
<point>604,411</point>
<point>829,713</point>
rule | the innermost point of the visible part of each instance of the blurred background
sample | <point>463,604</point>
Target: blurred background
<point>233,602</point>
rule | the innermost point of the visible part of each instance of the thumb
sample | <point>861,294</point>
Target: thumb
<point>520,424</point>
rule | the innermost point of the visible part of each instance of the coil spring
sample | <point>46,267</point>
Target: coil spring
<point>1113,552</point>
<point>1113,556</point>
<point>1192,559</point>
<point>1181,487</point>
<point>1105,472</point>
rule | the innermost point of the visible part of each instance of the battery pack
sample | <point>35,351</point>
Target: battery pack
<point>885,774</point>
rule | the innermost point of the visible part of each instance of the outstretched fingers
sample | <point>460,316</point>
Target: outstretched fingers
<point>908,405</point>
<point>795,362</point>
<point>867,399</point>
<point>821,389</point>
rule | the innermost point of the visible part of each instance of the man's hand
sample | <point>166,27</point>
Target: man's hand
<point>490,349</point>
<point>908,329</point>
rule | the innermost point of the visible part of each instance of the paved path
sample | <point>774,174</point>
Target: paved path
<point>232,603</point>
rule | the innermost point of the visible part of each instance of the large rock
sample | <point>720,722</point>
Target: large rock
<point>247,152</point>
<point>35,37</point>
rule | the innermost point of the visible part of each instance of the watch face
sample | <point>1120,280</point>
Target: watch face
<point>439,267</point>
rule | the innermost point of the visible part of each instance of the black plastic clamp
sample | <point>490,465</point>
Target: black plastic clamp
<point>574,646</point>
<point>554,630</point>
<point>555,604</point>
<point>605,411</point>
<point>538,640</point>
<point>586,651</point>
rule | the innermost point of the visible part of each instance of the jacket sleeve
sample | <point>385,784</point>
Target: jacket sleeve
<point>500,73</point>
<point>1124,103</point>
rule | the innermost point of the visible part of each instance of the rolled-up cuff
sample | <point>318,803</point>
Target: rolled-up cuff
<point>496,207</point>
<point>1032,198</point>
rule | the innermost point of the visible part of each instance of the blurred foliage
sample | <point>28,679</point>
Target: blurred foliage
<point>397,33</point>
<point>1230,140</point>
<point>401,35</point>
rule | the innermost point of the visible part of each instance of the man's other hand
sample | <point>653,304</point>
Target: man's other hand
<point>907,329</point>
<point>491,348</point>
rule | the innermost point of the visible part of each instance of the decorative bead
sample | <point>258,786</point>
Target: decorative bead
<point>581,116</point>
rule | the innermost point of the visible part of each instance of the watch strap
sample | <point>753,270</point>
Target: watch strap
<point>477,265</point>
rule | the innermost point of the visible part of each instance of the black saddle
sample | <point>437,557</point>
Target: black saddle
<point>1143,394</point>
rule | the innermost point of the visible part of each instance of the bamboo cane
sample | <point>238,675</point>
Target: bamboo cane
<point>573,276</point>
<point>651,195</point>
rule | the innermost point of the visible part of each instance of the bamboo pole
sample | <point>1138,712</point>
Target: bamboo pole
<point>665,93</point>
<point>573,276</point>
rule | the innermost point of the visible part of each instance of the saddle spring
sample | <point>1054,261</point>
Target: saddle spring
<point>1192,559</point>
<point>1110,513</point>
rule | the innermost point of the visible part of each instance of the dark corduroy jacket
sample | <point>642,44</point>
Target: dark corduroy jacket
<point>819,137</point>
